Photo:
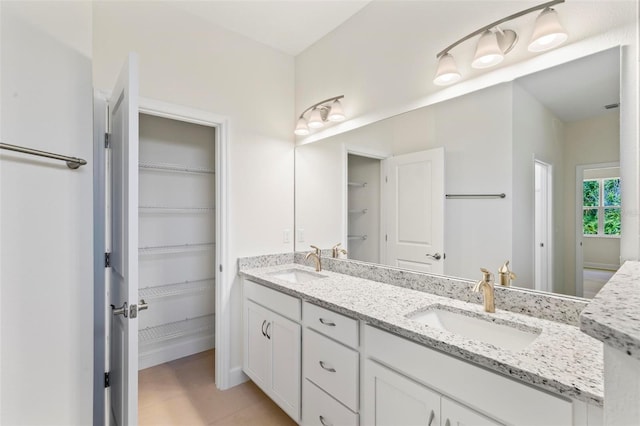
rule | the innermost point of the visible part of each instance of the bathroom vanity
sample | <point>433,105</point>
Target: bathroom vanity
<point>338,349</point>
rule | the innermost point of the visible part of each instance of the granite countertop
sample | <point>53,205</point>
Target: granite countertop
<point>613,316</point>
<point>562,360</point>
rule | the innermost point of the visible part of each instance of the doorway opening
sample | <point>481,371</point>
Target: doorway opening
<point>543,227</point>
<point>598,226</point>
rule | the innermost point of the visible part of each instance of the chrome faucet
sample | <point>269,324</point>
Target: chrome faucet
<point>317,256</point>
<point>486,286</point>
<point>505,275</point>
<point>337,251</point>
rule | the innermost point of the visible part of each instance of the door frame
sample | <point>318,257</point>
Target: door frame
<point>578,238</point>
<point>223,282</point>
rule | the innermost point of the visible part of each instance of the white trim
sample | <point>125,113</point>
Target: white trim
<point>223,371</point>
<point>580,168</point>
<point>237,377</point>
<point>548,284</point>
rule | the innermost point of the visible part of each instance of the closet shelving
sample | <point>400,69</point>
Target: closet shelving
<point>174,249</point>
<point>175,210</point>
<point>176,289</point>
<point>357,237</point>
<point>358,211</point>
<point>177,239</point>
<point>175,330</point>
<point>358,184</point>
<point>169,167</point>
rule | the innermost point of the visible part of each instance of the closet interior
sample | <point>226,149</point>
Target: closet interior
<point>363,193</point>
<point>176,239</point>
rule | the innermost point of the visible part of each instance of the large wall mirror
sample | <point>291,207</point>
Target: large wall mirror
<point>525,171</point>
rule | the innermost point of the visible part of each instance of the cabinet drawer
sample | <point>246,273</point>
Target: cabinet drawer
<point>331,366</point>
<point>332,324</point>
<point>319,409</point>
<point>281,303</point>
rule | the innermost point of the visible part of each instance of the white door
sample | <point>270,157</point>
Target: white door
<point>123,242</point>
<point>284,336</point>
<point>542,227</point>
<point>256,345</point>
<point>455,414</point>
<point>392,399</point>
<point>414,192</point>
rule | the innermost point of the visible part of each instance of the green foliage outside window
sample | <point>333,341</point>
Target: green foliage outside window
<point>601,198</point>
<point>591,193</point>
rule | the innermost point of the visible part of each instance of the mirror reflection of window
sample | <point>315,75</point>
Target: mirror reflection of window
<point>601,207</point>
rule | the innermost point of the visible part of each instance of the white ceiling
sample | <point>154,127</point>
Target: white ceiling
<point>579,89</point>
<point>289,26</point>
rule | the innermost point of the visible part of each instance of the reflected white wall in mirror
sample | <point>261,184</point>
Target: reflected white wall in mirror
<point>492,139</point>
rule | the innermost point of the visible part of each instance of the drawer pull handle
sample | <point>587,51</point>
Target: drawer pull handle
<point>267,331</point>
<point>329,369</point>
<point>263,332</point>
<point>431,417</point>
<point>327,322</point>
<point>324,422</point>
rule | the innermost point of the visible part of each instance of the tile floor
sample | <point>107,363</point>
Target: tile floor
<point>183,392</point>
<point>594,280</point>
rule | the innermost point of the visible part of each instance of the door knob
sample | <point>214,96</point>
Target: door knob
<point>436,256</point>
<point>142,305</point>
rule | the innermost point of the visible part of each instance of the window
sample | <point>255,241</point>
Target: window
<point>601,207</point>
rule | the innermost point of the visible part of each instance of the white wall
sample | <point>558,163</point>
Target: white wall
<point>187,61</point>
<point>45,232</point>
<point>537,135</point>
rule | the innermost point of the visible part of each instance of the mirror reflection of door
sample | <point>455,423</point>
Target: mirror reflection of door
<point>599,219</point>
<point>543,218</point>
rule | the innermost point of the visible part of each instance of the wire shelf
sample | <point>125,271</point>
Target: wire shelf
<point>175,330</point>
<point>174,210</point>
<point>183,248</point>
<point>360,211</point>
<point>175,289</point>
<point>168,167</point>
<point>359,184</point>
<point>357,237</point>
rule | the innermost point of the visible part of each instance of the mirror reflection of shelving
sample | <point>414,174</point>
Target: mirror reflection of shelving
<point>363,193</point>
<point>176,239</point>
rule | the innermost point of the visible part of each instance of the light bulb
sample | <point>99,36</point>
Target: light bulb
<point>447,72</point>
<point>301,127</point>
<point>336,114</point>
<point>315,119</point>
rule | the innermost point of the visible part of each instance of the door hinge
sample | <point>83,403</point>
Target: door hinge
<point>386,179</point>
<point>107,260</point>
<point>221,267</point>
<point>385,238</point>
<point>107,379</point>
<point>107,140</point>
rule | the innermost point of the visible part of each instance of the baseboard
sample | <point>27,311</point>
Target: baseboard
<point>604,266</point>
<point>237,377</point>
<point>169,352</point>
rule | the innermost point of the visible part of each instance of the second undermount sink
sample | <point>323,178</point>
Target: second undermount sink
<point>296,276</point>
<point>503,334</point>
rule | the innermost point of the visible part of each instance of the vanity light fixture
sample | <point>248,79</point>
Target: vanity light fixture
<point>327,110</point>
<point>495,42</point>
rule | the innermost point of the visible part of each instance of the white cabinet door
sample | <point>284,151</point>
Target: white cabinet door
<point>394,400</point>
<point>272,348</point>
<point>454,414</point>
<point>256,344</point>
<point>284,337</point>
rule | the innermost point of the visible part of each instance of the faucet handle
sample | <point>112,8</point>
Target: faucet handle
<point>317,249</point>
<point>486,275</point>
<point>506,275</point>
<point>335,250</point>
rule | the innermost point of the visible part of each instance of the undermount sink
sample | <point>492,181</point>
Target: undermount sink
<point>503,334</point>
<point>296,276</point>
